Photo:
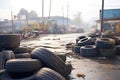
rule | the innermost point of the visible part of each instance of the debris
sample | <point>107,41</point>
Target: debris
<point>79,75</point>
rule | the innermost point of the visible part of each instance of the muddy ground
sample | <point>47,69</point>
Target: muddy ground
<point>83,68</point>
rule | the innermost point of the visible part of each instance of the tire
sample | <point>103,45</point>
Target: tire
<point>117,41</point>
<point>7,76</point>
<point>22,55</point>
<point>105,43</point>
<point>109,53</point>
<point>49,59</point>
<point>4,56</point>
<point>9,41</point>
<point>23,65</point>
<point>117,50</point>
<point>76,49</point>
<point>84,41</point>
<point>21,50</point>
<point>89,51</point>
<point>62,56</point>
<point>79,38</point>
<point>48,74</point>
<point>69,68</point>
<point>111,35</point>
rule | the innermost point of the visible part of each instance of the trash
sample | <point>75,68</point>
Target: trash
<point>80,75</point>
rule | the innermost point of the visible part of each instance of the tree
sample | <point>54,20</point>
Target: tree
<point>29,15</point>
<point>22,12</point>
<point>32,14</point>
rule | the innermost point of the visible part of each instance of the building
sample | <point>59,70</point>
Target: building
<point>111,20</point>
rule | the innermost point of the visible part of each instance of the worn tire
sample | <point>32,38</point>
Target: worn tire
<point>23,65</point>
<point>111,35</point>
<point>48,74</point>
<point>79,38</point>
<point>84,41</point>
<point>62,56</point>
<point>21,50</point>
<point>69,68</point>
<point>89,51</point>
<point>107,52</point>
<point>7,76</point>
<point>105,43</point>
<point>117,50</point>
<point>76,49</point>
<point>22,55</point>
<point>49,59</point>
<point>4,56</point>
<point>9,41</point>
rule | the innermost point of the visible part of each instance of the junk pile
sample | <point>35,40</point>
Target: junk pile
<point>102,45</point>
<point>23,63</point>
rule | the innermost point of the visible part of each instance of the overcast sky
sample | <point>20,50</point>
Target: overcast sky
<point>89,8</point>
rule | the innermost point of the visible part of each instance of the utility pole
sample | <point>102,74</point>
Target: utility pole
<point>50,8</point>
<point>63,14</point>
<point>102,15</point>
<point>67,14</point>
<point>43,12</point>
<point>12,20</point>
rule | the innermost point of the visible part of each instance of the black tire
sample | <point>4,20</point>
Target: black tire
<point>117,50</point>
<point>117,40</point>
<point>62,56</point>
<point>7,76</point>
<point>69,68</point>
<point>49,59</point>
<point>76,49</point>
<point>89,51</point>
<point>84,41</point>
<point>105,43</point>
<point>9,41</point>
<point>79,38</point>
<point>110,35</point>
<point>22,55</point>
<point>4,56</point>
<point>109,53</point>
<point>21,50</point>
<point>48,74</point>
<point>23,65</point>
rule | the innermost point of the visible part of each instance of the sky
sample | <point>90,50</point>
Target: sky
<point>89,8</point>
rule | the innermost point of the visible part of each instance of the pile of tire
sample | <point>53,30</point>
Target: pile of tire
<point>24,63</point>
<point>108,45</point>
<point>85,46</point>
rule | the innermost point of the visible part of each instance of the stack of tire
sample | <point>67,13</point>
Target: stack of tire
<point>22,63</point>
<point>106,46</point>
<point>116,38</point>
<point>85,46</point>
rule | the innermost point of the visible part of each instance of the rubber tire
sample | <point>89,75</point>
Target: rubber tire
<point>76,49</point>
<point>21,50</point>
<point>4,56</point>
<point>84,41</point>
<point>104,35</point>
<point>89,51</point>
<point>49,59</point>
<point>79,38</point>
<point>105,43</point>
<point>48,74</point>
<point>23,65</point>
<point>109,53</point>
<point>62,56</point>
<point>69,68</point>
<point>23,55</point>
<point>9,41</point>
<point>117,50</point>
<point>7,76</point>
